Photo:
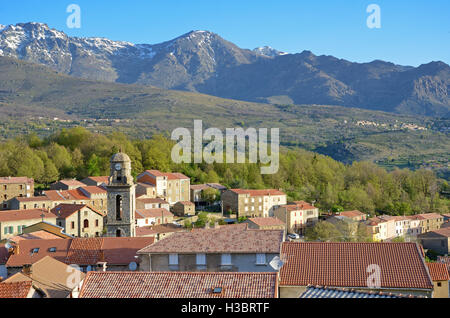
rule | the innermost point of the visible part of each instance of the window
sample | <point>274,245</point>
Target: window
<point>201,259</point>
<point>86,223</point>
<point>226,259</point>
<point>72,225</point>
<point>35,250</point>
<point>260,259</point>
<point>119,208</point>
<point>96,223</point>
<point>19,229</point>
<point>11,229</point>
<point>52,249</point>
<point>439,284</point>
<point>173,259</point>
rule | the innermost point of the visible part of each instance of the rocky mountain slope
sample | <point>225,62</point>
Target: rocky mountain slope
<point>201,61</point>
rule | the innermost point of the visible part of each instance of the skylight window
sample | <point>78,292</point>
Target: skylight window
<point>52,249</point>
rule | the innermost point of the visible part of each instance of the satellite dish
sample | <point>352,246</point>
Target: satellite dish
<point>89,269</point>
<point>8,245</point>
<point>276,263</point>
<point>132,266</point>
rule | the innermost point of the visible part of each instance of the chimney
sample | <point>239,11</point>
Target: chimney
<point>1,279</point>
<point>27,269</point>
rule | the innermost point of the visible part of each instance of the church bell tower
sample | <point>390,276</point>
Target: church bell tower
<point>121,198</point>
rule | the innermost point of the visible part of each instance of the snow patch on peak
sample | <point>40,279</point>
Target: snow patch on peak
<point>2,27</point>
<point>268,51</point>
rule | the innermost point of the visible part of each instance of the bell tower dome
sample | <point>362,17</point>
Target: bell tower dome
<point>121,198</point>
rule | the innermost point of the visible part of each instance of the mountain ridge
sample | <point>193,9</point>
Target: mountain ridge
<point>202,61</point>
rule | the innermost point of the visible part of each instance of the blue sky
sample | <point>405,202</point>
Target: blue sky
<point>412,32</point>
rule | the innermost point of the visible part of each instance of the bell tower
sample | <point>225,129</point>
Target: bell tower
<point>121,198</point>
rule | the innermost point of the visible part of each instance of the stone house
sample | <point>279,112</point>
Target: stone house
<point>231,248</point>
<point>153,217</point>
<point>172,187</point>
<point>150,203</point>
<point>62,185</point>
<point>12,187</point>
<point>297,216</point>
<point>184,208</point>
<point>96,181</point>
<point>431,221</point>
<point>13,222</point>
<point>79,220</point>
<point>440,277</point>
<point>252,203</point>
<point>438,240</point>
<point>271,223</point>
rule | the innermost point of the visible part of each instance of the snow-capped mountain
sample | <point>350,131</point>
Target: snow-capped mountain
<point>268,51</point>
<point>202,61</point>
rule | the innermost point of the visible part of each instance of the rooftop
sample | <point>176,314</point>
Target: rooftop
<point>352,214</point>
<point>226,239</point>
<point>16,180</point>
<point>271,221</point>
<point>17,215</point>
<point>346,265</point>
<point>438,272</point>
<point>152,213</point>
<point>65,210</point>
<point>179,285</point>
<point>258,193</point>
<point>15,290</point>
<point>330,292</point>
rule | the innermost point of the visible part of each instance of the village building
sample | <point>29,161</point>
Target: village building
<point>150,203</point>
<point>13,222</point>
<point>53,278</point>
<point>172,187</point>
<point>232,248</point>
<point>440,277</point>
<point>158,232</point>
<point>297,216</point>
<point>145,190</point>
<point>62,185</point>
<point>430,221</point>
<point>355,215</point>
<point>270,223</point>
<point>153,217</point>
<point>184,208</point>
<point>96,181</point>
<point>12,187</point>
<point>437,241</point>
<point>42,230</point>
<point>180,285</point>
<point>79,220</point>
<point>105,253</point>
<point>401,268</point>
<point>252,203</point>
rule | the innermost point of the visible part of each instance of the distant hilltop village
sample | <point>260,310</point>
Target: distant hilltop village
<point>204,240</point>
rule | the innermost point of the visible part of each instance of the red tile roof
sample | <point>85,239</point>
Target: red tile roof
<point>152,213</point>
<point>179,285</point>
<point>38,235</point>
<point>271,221</point>
<point>199,186</point>
<point>32,199</point>
<point>81,251</point>
<point>299,206</point>
<point>104,179</point>
<point>258,193</point>
<point>226,239</point>
<point>429,216</point>
<point>346,265</point>
<point>352,214</point>
<point>169,175</point>
<point>17,215</point>
<point>93,189</point>
<point>152,201</point>
<point>16,180</point>
<point>65,210</point>
<point>55,195</point>
<point>157,229</point>
<point>442,232</point>
<point>438,272</point>
<point>71,182</point>
<point>189,203</point>
<point>15,290</point>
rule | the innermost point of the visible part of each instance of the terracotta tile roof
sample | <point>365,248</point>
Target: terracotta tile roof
<point>438,272</point>
<point>16,180</point>
<point>271,221</point>
<point>152,213</point>
<point>65,210</point>
<point>152,201</point>
<point>179,285</point>
<point>71,182</point>
<point>186,203</point>
<point>93,190</point>
<point>169,175</point>
<point>38,235</point>
<point>445,260</point>
<point>258,193</point>
<point>227,239</point>
<point>81,251</point>
<point>25,247</point>
<point>298,206</point>
<point>17,215</point>
<point>15,290</point>
<point>84,251</point>
<point>103,179</point>
<point>352,214</point>
<point>199,186</point>
<point>429,216</point>
<point>52,277</point>
<point>441,232</point>
<point>32,199</point>
<point>217,186</point>
<point>346,264</point>
<point>158,229</point>
<point>146,185</point>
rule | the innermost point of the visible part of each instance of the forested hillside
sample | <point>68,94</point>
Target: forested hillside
<point>77,153</point>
